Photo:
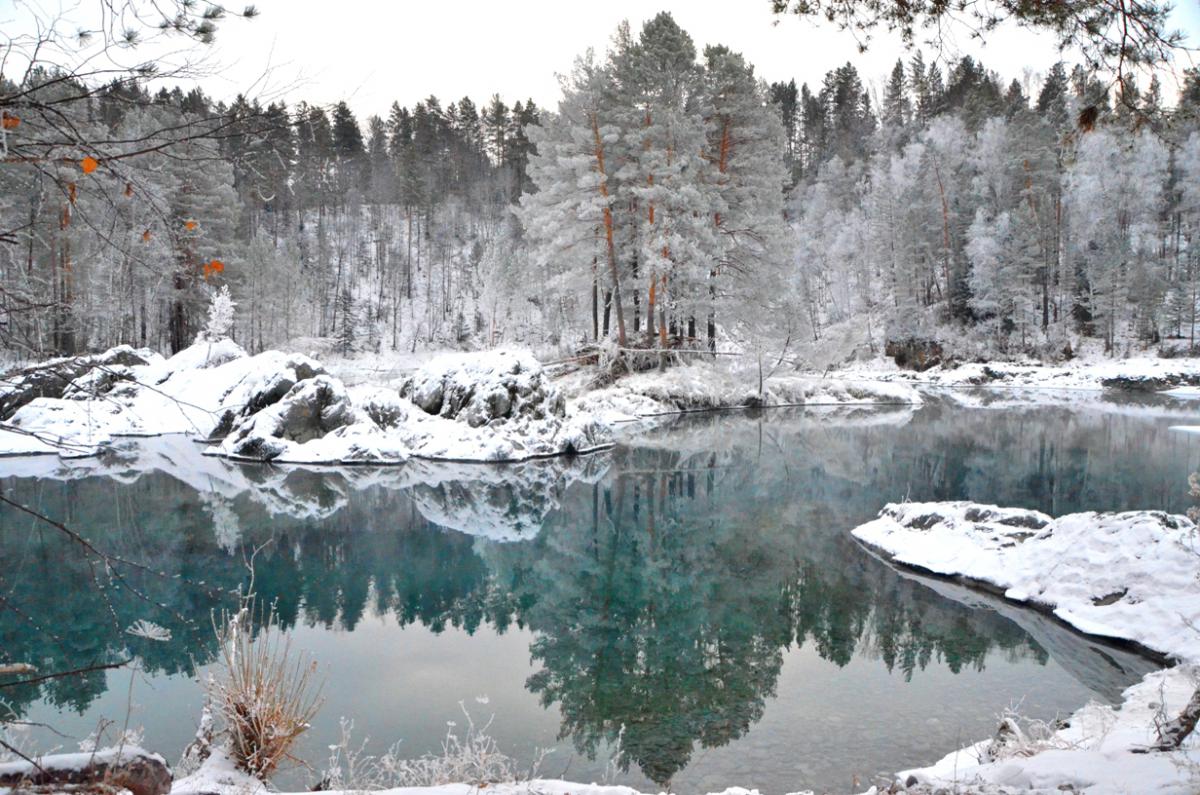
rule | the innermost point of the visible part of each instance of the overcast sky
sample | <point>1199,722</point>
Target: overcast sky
<point>371,53</point>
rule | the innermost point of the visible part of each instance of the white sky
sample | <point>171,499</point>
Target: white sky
<point>371,53</point>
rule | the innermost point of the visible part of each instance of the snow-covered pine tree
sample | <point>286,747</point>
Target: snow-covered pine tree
<point>220,315</point>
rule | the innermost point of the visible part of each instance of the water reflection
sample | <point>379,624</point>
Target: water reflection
<point>663,582</point>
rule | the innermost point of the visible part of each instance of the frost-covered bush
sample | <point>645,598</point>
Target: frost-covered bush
<point>471,757</point>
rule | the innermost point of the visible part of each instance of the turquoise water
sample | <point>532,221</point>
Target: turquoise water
<point>687,609</point>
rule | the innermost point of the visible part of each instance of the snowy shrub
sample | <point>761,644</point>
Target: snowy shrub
<point>471,757</point>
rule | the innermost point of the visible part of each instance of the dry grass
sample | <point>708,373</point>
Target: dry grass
<point>264,694</point>
<point>468,757</point>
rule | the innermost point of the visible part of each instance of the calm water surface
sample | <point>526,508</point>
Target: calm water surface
<point>687,609</point>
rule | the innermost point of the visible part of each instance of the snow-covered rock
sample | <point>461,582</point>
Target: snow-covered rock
<point>479,388</point>
<point>497,406</point>
<point>276,406</point>
<point>193,392</point>
<point>1131,576</point>
<point>309,411</point>
<point>52,378</point>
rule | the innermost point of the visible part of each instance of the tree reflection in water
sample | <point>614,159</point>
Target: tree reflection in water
<point>663,582</point>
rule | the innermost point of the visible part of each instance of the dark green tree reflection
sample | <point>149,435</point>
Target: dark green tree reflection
<point>662,593</point>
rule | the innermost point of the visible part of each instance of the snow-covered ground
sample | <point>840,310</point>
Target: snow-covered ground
<point>1091,373</point>
<point>492,406</point>
<point>218,776</point>
<point>1128,576</point>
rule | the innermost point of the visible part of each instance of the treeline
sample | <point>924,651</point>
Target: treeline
<point>671,198</point>
<point>368,234</point>
<point>1026,213</point>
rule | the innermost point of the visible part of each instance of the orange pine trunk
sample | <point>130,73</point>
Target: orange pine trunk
<point>608,230</point>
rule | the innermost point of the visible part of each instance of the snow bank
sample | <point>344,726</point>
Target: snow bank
<point>702,386</point>
<point>1136,374</point>
<point>1096,751</point>
<point>1125,575</point>
<point>1130,576</point>
<point>218,776</point>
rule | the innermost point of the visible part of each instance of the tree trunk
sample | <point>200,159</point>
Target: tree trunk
<point>130,768</point>
<point>595,305</point>
<point>1172,735</point>
<point>608,231</point>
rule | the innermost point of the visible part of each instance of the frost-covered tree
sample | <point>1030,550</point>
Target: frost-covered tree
<point>220,315</point>
<point>664,175</point>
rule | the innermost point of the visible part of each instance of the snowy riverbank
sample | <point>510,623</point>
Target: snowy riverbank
<point>496,406</point>
<point>1128,576</point>
<point>1140,374</point>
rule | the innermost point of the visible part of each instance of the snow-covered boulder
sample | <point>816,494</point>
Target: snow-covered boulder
<point>284,407</point>
<point>479,388</point>
<point>470,407</point>
<point>310,410</point>
<point>204,389</point>
<point>1131,576</point>
<point>273,377</point>
<point>54,378</point>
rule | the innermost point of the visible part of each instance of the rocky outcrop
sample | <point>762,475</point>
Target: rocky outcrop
<point>54,378</point>
<point>479,390</point>
<point>914,353</point>
<point>310,410</point>
<point>293,370</point>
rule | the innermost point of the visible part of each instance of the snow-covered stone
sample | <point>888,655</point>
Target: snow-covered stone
<point>276,406</point>
<point>309,411</point>
<point>479,388</point>
<point>52,378</point>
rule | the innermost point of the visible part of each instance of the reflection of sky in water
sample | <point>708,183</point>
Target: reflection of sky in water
<point>725,529</point>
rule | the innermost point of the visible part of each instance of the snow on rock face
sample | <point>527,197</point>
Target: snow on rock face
<point>473,407</point>
<point>478,388</point>
<point>310,410</point>
<point>204,387</point>
<point>1129,575</point>
<point>276,406</point>
<point>51,379</point>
